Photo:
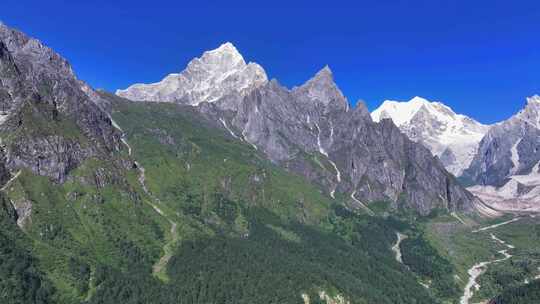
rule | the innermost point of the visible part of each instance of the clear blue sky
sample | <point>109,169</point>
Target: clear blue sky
<point>480,57</point>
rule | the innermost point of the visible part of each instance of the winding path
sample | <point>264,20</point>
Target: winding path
<point>168,249</point>
<point>14,177</point>
<point>154,203</point>
<point>458,218</point>
<point>497,225</point>
<point>396,249</point>
<point>366,208</point>
<point>476,270</point>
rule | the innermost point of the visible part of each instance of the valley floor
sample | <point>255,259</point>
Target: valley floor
<point>499,255</point>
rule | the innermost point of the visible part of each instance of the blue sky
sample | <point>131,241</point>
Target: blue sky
<point>482,58</point>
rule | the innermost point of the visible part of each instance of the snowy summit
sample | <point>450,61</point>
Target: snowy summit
<point>216,74</point>
<point>452,137</point>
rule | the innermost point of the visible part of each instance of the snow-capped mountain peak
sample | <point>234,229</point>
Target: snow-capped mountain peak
<point>225,57</point>
<point>216,74</point>
<point>453,137</point>
<point>531,113</point>
<point>399,112</point>
<point>507,167</point>
<point>534,99</point>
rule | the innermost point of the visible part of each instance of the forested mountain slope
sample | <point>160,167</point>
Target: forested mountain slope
<point>104,200</point>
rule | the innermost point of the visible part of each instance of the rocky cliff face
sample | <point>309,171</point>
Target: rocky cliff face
<point>48,122</point>
<point>365,161</point>
<point>506,165</point>
<point>312,131</point>
<point>509,148</point>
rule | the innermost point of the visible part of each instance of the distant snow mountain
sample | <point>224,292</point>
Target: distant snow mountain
<point>452,137</point>
<point>506,168</point>
<point>217,74</point>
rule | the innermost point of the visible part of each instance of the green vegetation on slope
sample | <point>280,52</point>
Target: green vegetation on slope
<point>525,294</point>
<point>21,281</point>
<point>463,248</point>
<point>247,231</point>
<point>424,260</point>
<point>524,266</point>
<point>267,268</point>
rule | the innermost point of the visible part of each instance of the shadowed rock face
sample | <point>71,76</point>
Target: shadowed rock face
<point>509,148</point>
<point>53,124</point>
<point>375,161</point>
<point>506,170</point>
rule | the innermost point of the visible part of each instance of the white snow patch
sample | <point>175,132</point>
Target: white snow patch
<point>246,139</point>
<point>3,118</point>
<point>508,198</point>
<point>323,152</point>
<point>399,112</point>
<point>338,173</point>
<point>114,124</point>
<point>486,211</point>
<point>361,204</point>
<point>124,141</point>
<point>216,74</point>
<point>228,129</point>
<point>319,144</point>
<point>514,157</point>
<point>531,179</point>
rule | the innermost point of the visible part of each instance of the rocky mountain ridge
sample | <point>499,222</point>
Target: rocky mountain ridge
<point>499,162</point>
<point>454,138</point>
<point>49,124</point>
<point>311,130</point>
<point>505,169</point>
<point>217,75</point>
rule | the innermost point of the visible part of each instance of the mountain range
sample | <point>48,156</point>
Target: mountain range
<point>498,162</point>
<point>452,137</point>
<point>311,130</point>
<point>218,185</point>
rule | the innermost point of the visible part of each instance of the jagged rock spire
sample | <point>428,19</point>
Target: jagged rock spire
<point>322,89</point>
<point>216,74</point>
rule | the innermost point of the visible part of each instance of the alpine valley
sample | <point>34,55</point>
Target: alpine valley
<point>218,185</point>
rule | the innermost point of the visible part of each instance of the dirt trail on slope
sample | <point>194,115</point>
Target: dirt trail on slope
<point>155,203</point>
<point>497,225</point>
<point>168,248</point>
<point>366,208</point>
<point>14,177</point>
<point>396,249</point>
<point>479,268</point>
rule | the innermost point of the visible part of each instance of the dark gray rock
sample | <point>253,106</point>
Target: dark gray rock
<point>52,121</point>
<point>375,161</point>
<point>310,130</point>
